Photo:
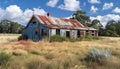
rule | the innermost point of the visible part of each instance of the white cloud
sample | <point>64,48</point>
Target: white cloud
<point>71,5</point>
<point>68,17</point>
<point>94,1</point>
<point>15,13</point>
<point>107,6</point>
<point>1,12</point>
<point>27,15</point>
<point>93,9</point>
<point>104,19</point>
<point>116,10</point>
<point>39,11</point>
<point>52,3</point>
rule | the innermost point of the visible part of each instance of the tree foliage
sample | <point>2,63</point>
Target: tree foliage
<point>81,17</point>
<point>85,20</point>
<point>7,26</point>
<point>96,24</point>
<point>112,27</point>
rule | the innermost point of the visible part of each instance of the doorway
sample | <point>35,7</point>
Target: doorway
<point>68,34</point>
<point>78,33</point>
<point>57,31</point>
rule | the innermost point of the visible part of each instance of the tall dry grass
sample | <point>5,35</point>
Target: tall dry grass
<point>8,37</point>
<point>59,55</point>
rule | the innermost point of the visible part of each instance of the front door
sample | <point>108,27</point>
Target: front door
<point>78,33</point>
<point>68,34</point>
<point>35,35</point>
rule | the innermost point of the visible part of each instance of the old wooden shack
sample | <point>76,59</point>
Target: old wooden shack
<point>42,27</point>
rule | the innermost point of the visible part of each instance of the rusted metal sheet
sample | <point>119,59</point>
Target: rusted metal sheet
<point>53,22</point>
<point>46,26</point>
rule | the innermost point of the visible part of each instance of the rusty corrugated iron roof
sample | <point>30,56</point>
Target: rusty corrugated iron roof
<point>54,22</point>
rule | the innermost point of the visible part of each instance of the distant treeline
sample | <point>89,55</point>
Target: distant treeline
<point>112,27</point>
<point>7,26</point>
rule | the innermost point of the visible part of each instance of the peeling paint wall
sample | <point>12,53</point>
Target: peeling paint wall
<point>73,34</point>
<point>34,30</point>
<point>31,29</point>
<point>53,32</point>
<point>62,32</point>
<point>82,33</point>
<point>44,31</point>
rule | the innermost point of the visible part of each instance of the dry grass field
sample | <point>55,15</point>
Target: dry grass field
<point>57,55</point>
<point>8,37</point>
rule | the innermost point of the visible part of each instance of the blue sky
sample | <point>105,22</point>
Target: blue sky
<point>21,10</point>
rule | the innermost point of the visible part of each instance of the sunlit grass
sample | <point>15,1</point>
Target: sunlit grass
<point>58,55</point>
<point>8,37</point>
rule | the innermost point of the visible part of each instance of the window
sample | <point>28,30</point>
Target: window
<point>92,33</point>
<point>87,31</point>
<point>36,32</point>
<point>68,34</point>
<point>34,22</point>
<point>44,32</point>
<point>57,31</point>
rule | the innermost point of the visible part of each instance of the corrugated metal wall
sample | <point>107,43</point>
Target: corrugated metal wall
<point>53,32</point>
<point>31,30</point>
<point>62,32</point>
<point>73,33</point>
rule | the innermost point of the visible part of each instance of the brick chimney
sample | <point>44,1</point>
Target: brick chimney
<point>48,14</point>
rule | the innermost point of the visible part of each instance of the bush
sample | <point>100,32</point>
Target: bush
<point>57,38</point>
<point>90,37</point>
<point>61,39</point>
<point>111,33</point>
<point>98,55</point>
<point>4,59</point>
<point>22,37</point>
<point>72,40</point>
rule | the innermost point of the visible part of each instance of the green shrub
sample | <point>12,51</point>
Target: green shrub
<point>90,37</point>
<point>61,39</point>
<point>4,60</point>
<point>72,40</point>
<point>98,55</point>
<point>57,38</point>
<point>22,37</point>
<point>111,33</point>
<point>96,37</point>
